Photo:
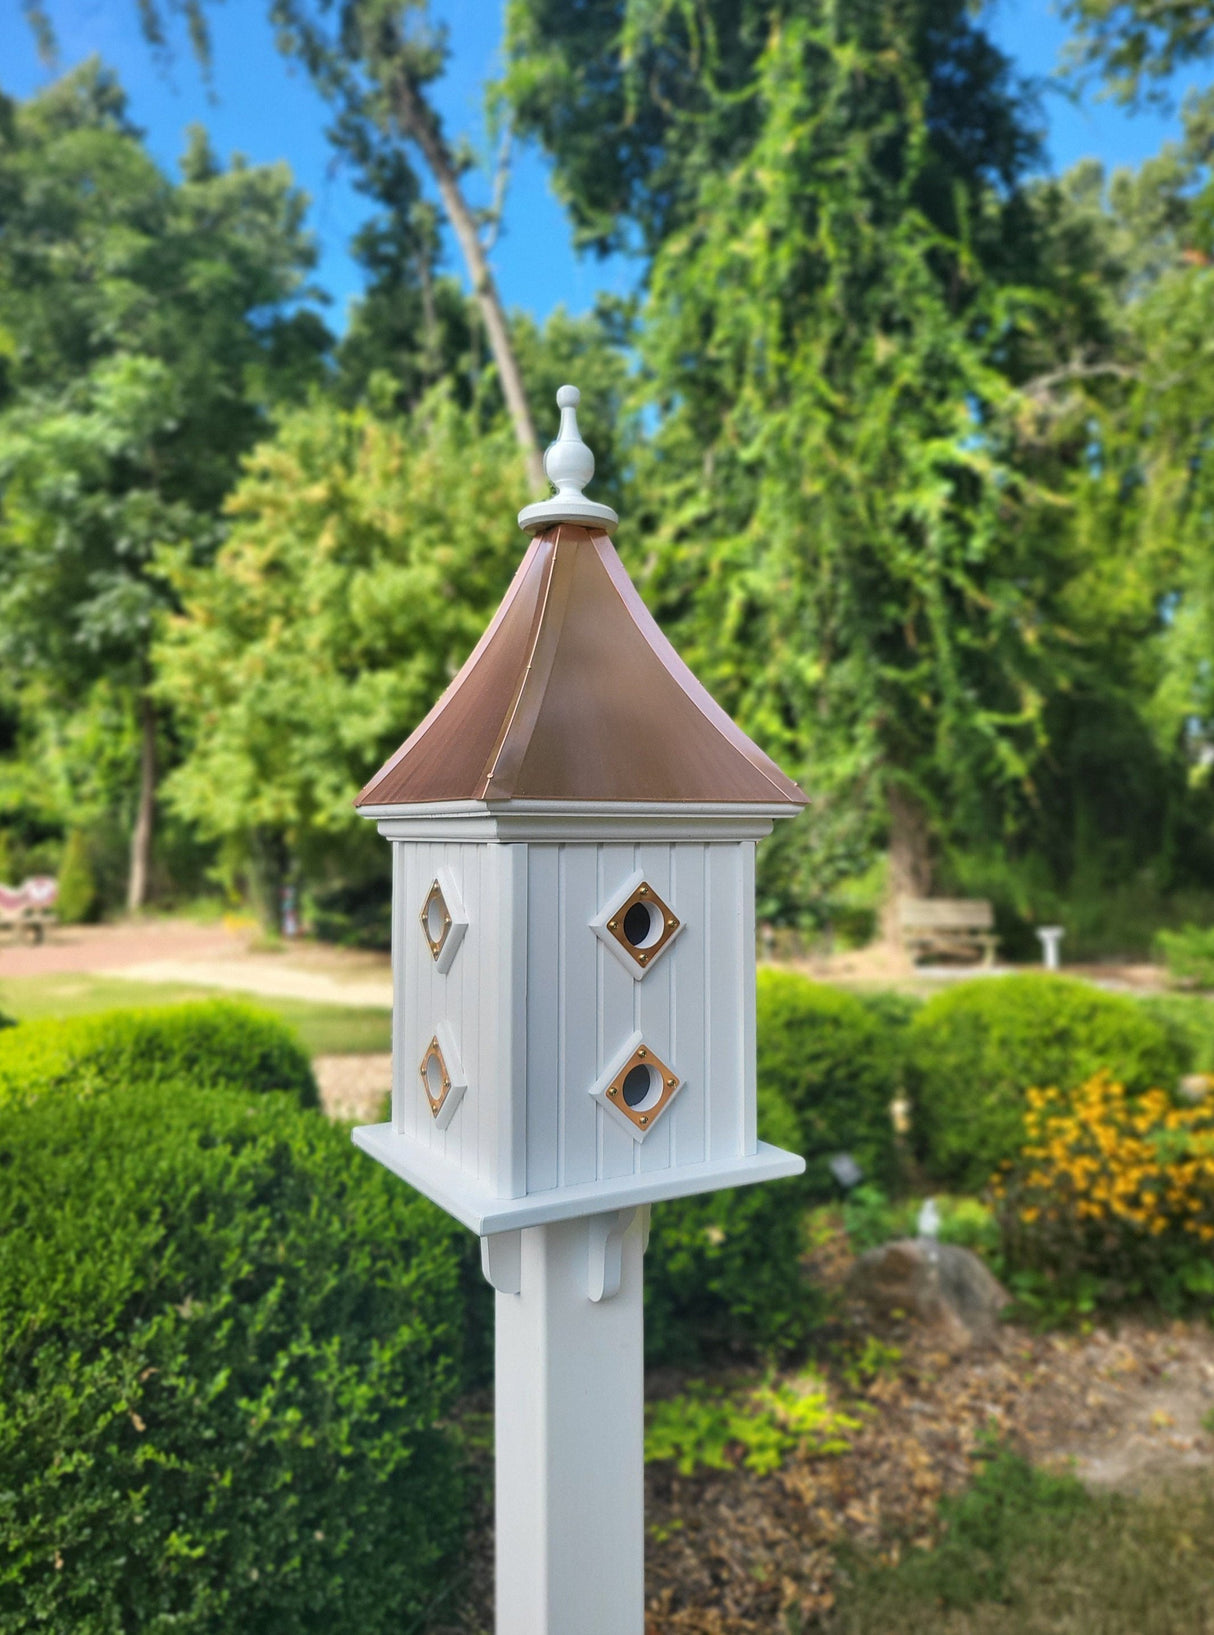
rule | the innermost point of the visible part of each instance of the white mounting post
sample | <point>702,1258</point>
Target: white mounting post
<point>569,1411</point>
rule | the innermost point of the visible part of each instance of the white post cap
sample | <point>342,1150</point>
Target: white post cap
<point>569,466</point>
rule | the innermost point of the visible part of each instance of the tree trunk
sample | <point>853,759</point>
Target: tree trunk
<point>269,863</point>
<point>417,122</point>
<point>910,860</point>
<point>141,839</point>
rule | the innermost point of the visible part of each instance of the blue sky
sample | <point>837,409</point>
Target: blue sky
<point>267,111</point>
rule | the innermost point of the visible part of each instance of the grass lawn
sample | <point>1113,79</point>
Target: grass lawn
<point>326,1030</point>
<point>1026,1554</point>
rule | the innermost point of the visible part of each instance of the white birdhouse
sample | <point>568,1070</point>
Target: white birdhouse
<point>573,832</point>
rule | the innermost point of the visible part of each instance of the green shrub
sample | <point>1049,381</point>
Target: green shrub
<point>1188,1021</point>
<point>211,1044</point>
<point>891,1008</point>
<point>1110,1202</point>
<point>836,1061</point>
<point>222,1370</point>
<point>975,1050</point>
<point>77,901</point>
<point>710,1428</point>
<point>723,1276</point>
<point>722,1271</point>
<point>1189,955</point>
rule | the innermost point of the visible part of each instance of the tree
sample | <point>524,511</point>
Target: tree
<point>844,542</point>
<point>373,61</point>
<point>1136,45</point>
<point>365,557</point>
<point>1149,498</point>
<point>148,333</point>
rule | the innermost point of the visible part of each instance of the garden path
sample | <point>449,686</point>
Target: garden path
<point>209,956</point>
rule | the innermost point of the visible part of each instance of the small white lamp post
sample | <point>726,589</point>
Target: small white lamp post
<point>573,831</point>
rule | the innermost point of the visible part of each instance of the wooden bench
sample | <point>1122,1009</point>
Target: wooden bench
<point>29,908</point>
<point>947,928</point>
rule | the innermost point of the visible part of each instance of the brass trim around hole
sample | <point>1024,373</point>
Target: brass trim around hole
<point>434,1050</point>
<point>435,944</point>
<point>646,897</point>
<point>642,1056</point>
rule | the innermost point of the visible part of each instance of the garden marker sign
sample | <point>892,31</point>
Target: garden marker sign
<point>573,833</point>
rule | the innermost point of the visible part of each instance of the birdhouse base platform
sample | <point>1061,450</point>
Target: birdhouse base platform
<point>484,1214</point>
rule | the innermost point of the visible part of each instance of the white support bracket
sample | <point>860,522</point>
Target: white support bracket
<point>502,1261</point>
<point>606,1239</point>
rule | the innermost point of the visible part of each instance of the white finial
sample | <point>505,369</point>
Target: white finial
<point>569,466</point>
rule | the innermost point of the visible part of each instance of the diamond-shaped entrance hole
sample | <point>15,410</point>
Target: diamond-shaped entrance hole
<point>436,920</point>
<point>643,1088</point>
<point>436,1079</point>
<point>643,925</point>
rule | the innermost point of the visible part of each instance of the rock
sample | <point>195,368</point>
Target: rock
<point>939,1284</point>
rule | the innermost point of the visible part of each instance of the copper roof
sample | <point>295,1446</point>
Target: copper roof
<point>574,694</point>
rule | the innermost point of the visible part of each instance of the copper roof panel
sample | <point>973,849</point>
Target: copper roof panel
<point>574,693</point>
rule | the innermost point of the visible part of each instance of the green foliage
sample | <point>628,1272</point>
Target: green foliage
<point>723,1276</point>
<point>818,307</point>
<point>706,1426</point>
<point>837,1066</point>
<point>1188,1020</point>
<point>1189,955</point>
<point>365,558</point>
<point>1110,1202</point>
<point>1137,45</point>
<point>870,1218</point>
<point>322,1029</point>
<point>159,322</point>
<point>722,1271</point>
<point>214,1044</point>
<point>77,885</point>
<point>221,1372</point>
<point>1007,1510</point>
<point>1123,1566</point>
<point>976,1049</point>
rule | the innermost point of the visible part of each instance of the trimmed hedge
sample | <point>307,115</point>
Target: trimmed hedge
<point>837,1064</point>
<point>211,1044</point>
<point>722,1273</point>
<point>226,1341</point>
<point>976,1049</point>
<point>1188,1021</point>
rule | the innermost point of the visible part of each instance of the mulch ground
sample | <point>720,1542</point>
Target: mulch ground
<point>732,1553</point>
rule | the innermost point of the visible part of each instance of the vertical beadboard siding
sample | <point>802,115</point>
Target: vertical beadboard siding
<point>458,996</point>
<point>750,1134</point>
<point>402,1120</point>
<point>482,948</point>
<point>502,979</point>
<point>722,883</point>
<point>618,1004</point>
<point>685,962</point>
<point>514,863</point>
<point>654,1012</point>
<point>544,1065</point>
<point>539,1008</point>
<point>433,1006</point>
<point>578,1018</point>
<point>425,997</point>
